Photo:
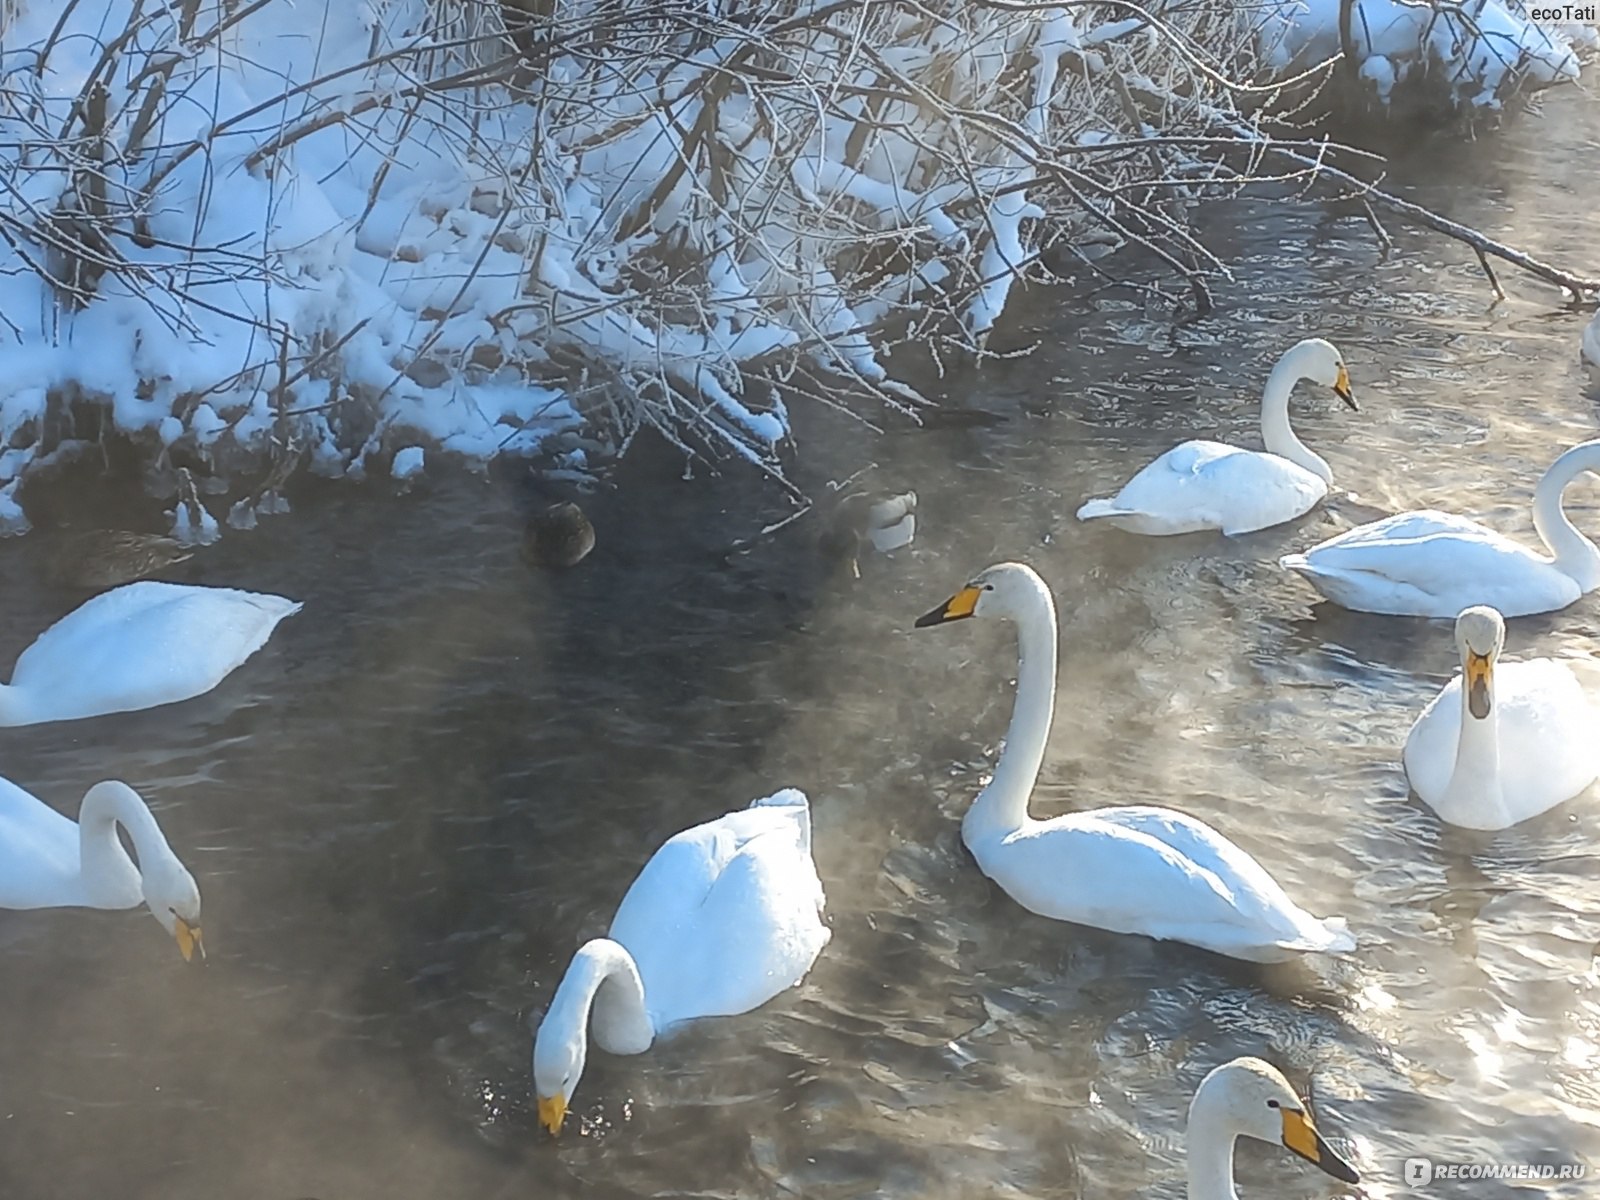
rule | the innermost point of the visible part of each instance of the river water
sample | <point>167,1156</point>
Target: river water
<point>439,778</point>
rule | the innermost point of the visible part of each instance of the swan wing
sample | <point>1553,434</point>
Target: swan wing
<point>38,852</point>
<point>726,915</point>
<point>1160,873</point>
<point>1211,485</point>
<point>143,645</point>
<point>1430,563</point>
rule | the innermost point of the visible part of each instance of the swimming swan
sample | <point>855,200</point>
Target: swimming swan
<point>1524,741</point>
<point>1434,564</point>
<point>48,861</point>
<point>723,918</point>
<point>138,646</point>
<point>1249,1098</point>
<point>1133,869</point>
<point>1211,485</point>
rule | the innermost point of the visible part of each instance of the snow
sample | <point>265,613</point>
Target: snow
<point>1477,60</point>
<point>407,462</point>
<point>315,240</point>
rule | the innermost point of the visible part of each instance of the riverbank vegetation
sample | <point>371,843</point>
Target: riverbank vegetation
<point>251,237</point>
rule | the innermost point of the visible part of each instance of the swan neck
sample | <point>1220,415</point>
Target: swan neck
<point>1210,1158</point>
<point>602,990</point>
<point>1276,433</point>
<point>110,878</point>
<point>1002,807</point>
<point>1475,780</point>
<point>1575,555</point>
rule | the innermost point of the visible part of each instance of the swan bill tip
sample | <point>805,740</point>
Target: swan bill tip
<point>1300,1137</point>
<point>189,940</point>
<point>552,1109</point>
<point>1341,388</point>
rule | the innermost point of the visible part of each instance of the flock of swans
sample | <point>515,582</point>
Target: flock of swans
<point>729,914</point>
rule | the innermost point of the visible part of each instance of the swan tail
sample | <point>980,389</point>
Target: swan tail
<point>783,798</point>
<point>1328,935</point>
<point>791,798</point>
<point>1101,508</point>
<point>1296,562</point>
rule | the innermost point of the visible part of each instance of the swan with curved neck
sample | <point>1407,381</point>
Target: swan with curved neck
<point>1131,869</point>
<point>1250,1098</point>
<point>138,646</point>
<point>1211,485</point>
<point>48,861</point>
<point>1434,564</point>
<point>1522,743</point>
<point>723,917</point>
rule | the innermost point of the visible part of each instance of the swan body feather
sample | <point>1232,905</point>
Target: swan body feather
<point>1435,564</point>
<point>1210,485</point>
<point>1131,869</point>
<point>1534,748</point>
<point>138,646</point>
<point>723,917</point>
<point>1203,485</point>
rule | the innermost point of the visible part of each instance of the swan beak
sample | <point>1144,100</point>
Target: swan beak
<point>551,1110</point>
<point>1479,676</point>
<point>962,604</point>
<point>188,939</point>
<point>1341,389</point>
<point>1301,1136</point>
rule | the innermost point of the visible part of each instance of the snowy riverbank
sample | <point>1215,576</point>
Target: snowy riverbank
<point>260,234</point>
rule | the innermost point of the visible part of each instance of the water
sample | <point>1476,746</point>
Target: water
<point>439,778</point>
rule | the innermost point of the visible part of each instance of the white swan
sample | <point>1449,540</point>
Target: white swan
<point>1211,485</point>
<point>1434,564</point>
<point>1134,869</point>
<point>723,918</point>
<point>138,646</point>
<point>1526,739</point>
<point>1249,1098</point>
<point>47,861</point>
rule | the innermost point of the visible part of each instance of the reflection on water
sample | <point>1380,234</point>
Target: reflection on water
<point>416,802</point>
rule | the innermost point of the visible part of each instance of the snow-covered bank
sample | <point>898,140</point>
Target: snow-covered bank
<point>1472,56</point>
<point>256,233</point>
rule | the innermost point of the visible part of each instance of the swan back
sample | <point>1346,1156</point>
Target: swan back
<point>40,860</point>
<point>138,646</point>
<point>727,914</point>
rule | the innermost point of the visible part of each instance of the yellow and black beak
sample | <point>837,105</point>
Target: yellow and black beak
<point>963,604</point>
<point>1301,1136</point>
<point>1341,389</point>
<point>1479,682</point>
<point>188,938</point>
<point>551,1111</point>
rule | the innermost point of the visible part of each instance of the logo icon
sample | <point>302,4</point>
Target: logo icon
<point>1419,1172</point>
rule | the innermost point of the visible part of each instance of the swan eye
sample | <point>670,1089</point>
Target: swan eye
<point>988,587</point>
<point>1272,1104</point>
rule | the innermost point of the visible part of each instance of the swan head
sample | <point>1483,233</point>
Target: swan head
<point>174,899</point>
<point>1003,590</point>
<point>559,1053</point>
<point>1480,636</point>
<point>1320,361</point>
<point>1250,1098</point>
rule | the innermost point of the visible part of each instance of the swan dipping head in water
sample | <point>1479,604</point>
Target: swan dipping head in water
<point>1250,1098</point>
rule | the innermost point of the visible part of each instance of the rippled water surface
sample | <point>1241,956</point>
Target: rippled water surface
<point>439,779</point>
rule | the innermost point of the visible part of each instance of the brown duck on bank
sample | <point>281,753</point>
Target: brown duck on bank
<point>558,536</point>
<point>104,558</point>
<point>877,519</point>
